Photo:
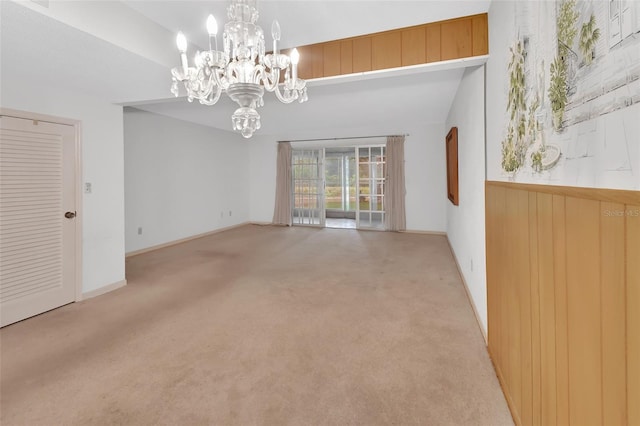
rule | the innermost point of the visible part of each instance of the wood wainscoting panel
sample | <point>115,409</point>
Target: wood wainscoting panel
<point>503,272</point>
<point>494,268</point>
<point>522,280</point>
<point>546,278</point>
<point>560,289</point>
<point>535,309</point>
<point>512,291</point>
<point>632,215</point>
<point>563,299</point>
<point>583,310</point>
<point>612,279</point>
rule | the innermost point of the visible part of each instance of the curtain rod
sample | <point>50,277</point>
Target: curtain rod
<point>340,139</point>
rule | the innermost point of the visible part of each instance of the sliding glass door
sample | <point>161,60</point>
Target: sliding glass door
<point>371,186</point>
<point>340,187</point>
<point>308,187</point>
<point>355,187</point>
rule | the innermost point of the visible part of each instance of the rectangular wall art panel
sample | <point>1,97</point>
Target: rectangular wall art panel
<point>567,74</point>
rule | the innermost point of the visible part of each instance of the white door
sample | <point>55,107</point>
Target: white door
<point>371,186</point>
<point>37,217</point>
<point>307,172</point>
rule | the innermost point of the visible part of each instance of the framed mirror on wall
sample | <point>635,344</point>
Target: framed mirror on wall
<point>452,165</point>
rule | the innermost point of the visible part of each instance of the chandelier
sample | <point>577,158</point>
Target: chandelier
<point>241,68</point>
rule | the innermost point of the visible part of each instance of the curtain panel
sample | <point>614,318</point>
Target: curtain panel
<point>282,210</point>
<point>395,217</point>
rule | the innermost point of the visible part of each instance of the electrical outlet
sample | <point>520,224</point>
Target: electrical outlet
<point>87,188</point>
<point>139,230</point>
<point>229,213</point>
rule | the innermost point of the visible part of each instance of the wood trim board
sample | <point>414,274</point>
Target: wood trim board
<point>457,38</point>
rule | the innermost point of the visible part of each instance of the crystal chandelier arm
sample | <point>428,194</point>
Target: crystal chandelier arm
<point>270,79</point>
<point>209,100</point>
<point>203,87</point>
<point>288,97</point>
<point>259,74</point>
<point>218,74</point>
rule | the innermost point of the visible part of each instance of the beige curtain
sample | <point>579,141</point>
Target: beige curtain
<point>395,217</point>
<point>282,211</point>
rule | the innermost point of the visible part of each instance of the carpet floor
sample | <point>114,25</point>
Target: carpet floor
<point>262,325</point>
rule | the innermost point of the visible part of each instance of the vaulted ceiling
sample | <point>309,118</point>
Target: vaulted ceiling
<point>122,52</point>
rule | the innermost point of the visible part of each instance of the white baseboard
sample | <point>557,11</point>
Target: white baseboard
<point>415,231</point>
<point>466,289</point>
<point>105,289</point>
<point>184,240</point>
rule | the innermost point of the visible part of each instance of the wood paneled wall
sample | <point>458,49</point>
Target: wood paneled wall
<point>437,41</point>
<point>563,284</point>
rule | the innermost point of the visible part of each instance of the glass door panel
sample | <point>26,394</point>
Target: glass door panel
<point>308,187</point>
<point>371,182</point>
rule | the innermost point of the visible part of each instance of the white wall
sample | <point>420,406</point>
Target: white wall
<point>182,179</point>
<point>262,178</point>
<point>102,165</point>
<point>465,222</point>
<point>425,177</point>
<point>135,32</point>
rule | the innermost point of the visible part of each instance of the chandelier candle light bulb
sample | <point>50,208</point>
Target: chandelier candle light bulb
<point>212,29</point>
<point>275,33</point>
<point>295,58</point>
<point>181,42</point>
<point>242,69</point>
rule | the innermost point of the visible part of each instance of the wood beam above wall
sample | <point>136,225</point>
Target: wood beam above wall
<point>437,41</point>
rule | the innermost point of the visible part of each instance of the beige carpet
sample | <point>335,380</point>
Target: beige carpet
<point>262,325</point>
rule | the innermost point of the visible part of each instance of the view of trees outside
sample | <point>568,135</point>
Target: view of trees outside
<point>340,178</point>
<point>372,170</point>
<point>307,186</point>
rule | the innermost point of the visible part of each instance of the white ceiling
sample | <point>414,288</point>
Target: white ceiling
<point>308,21</point>
<point>338,110</point>
<point>52,52</point>
<point>49,52</point>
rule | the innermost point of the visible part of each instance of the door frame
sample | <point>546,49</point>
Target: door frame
<point>384,212</point>
<point>77,125</point>
<point>322,216</point>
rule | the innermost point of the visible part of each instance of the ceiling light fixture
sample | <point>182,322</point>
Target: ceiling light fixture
<point>242,69</point>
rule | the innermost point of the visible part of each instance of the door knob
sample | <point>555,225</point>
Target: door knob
<point>70,215</point>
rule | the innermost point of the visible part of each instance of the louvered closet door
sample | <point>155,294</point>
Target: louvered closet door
<point>37,241</point>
